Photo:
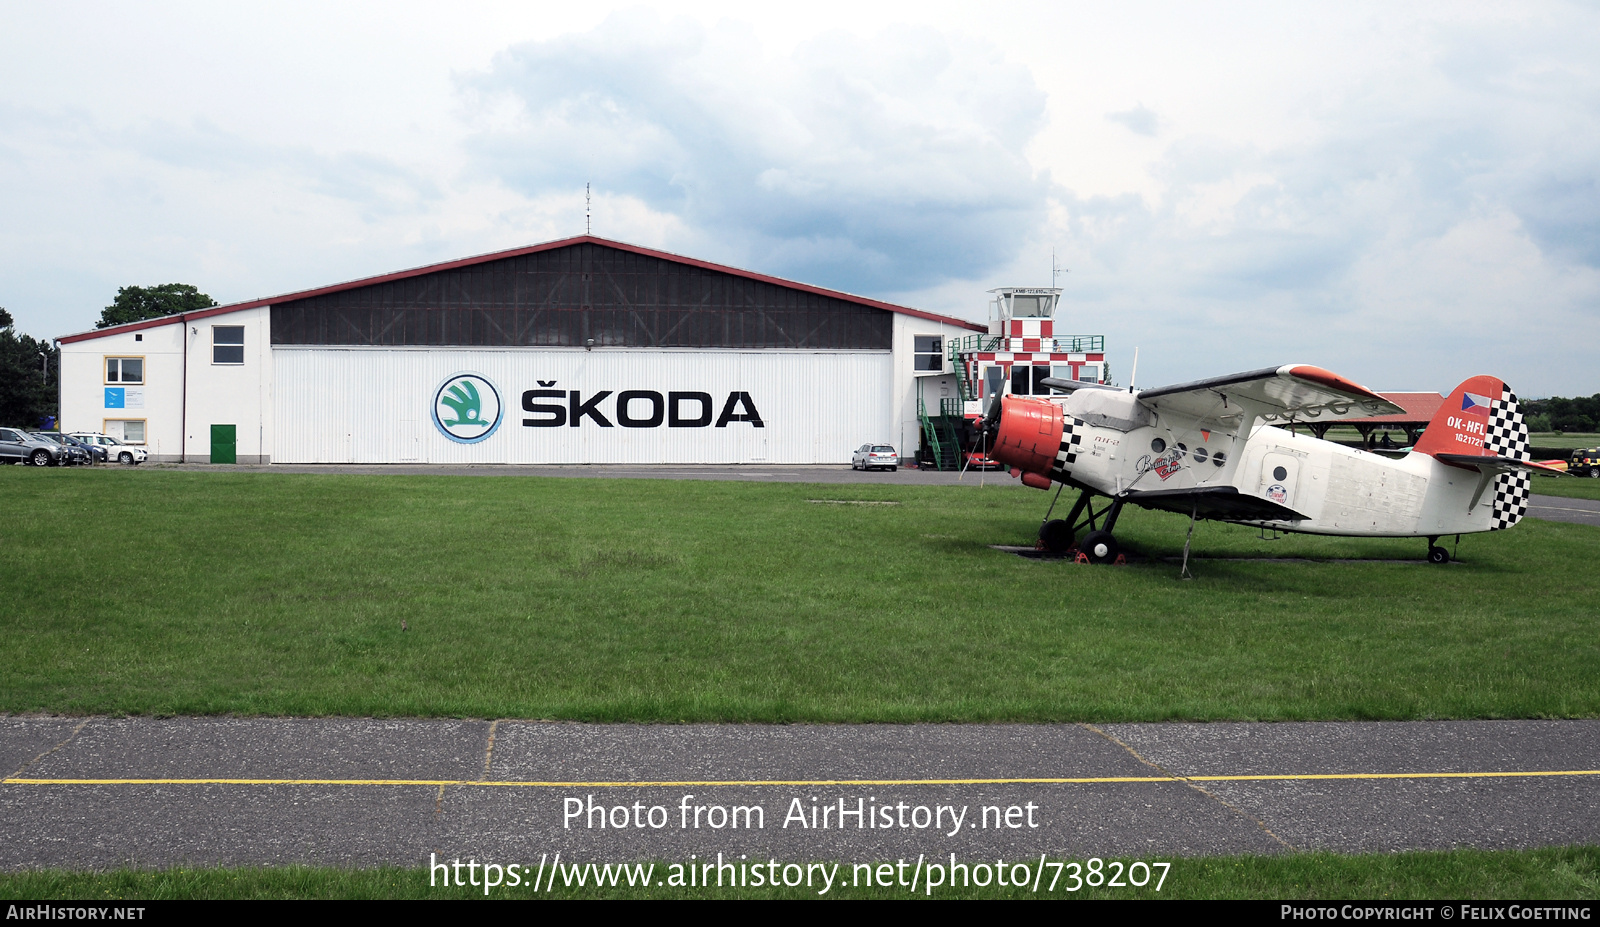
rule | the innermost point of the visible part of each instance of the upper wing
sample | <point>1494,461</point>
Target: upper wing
<point>1293,391</point>
<point>1067,386</point>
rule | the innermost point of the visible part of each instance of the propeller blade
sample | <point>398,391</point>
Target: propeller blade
<point>991,420</point>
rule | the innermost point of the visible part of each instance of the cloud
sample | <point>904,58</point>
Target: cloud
<point>865,163</point>
<point>1138,120</point>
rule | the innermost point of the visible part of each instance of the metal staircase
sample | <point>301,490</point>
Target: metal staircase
<point>941,437</point>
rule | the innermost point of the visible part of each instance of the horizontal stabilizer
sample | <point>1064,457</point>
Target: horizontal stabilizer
<point>1499,464</point>
<point>1219,503</point>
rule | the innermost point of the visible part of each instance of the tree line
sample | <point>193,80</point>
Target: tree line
<point>1561,414</point>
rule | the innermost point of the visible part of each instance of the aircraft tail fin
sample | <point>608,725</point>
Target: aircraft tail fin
<point>1481,418</point>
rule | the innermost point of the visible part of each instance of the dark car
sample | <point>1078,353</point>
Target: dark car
<point>18,446</point>
<point>97,454</point>
<point>1585,462</point>
<point>74,452</point>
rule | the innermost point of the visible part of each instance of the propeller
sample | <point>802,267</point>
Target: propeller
<point>991,420</point>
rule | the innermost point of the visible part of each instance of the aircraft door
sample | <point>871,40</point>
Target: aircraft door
<point>1279,472</point>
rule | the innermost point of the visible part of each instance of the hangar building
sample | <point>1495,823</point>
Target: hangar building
<point>575,351</point>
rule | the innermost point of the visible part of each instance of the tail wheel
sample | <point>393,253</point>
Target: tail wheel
<point>1056,536</point>
<point>1437,554</point>
<point>1100,546</point>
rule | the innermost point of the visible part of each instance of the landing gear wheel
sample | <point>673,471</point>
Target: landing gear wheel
<point>1056,536</point>
<point>1100,546</point>
<point>1437,554</point>
<point>40,459</point>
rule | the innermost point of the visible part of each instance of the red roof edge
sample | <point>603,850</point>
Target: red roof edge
<point>1419,407</point>
<point>518,252</point>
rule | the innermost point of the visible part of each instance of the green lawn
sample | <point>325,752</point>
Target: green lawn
<point>180,592</point>
<point>1572,487</point>
<point>1567,440</point>
<point>1562,873</point>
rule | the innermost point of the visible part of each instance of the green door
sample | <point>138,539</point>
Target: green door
<point>224,444</point>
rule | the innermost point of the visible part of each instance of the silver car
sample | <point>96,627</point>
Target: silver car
<point>875,457</point>
<point>17,446</point>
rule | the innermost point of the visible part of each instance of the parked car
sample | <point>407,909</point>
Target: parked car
<point>76,454</point>
<point>96,454</point>
<point>1585,462</point>
<point>977,461</point>
<point>18,446</point>
<point>115,450</point>
<point>874,457</point>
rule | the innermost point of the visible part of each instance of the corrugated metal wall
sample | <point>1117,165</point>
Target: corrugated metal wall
<point>570,296</point>
<point>344,405</point>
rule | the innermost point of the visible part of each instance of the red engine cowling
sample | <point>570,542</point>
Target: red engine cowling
<point>1029,438</point>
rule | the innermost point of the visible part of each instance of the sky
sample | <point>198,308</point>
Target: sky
<point>1405,193</point>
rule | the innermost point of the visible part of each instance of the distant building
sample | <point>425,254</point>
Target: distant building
<point>575,351</point>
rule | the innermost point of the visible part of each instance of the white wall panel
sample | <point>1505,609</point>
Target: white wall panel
<point>375,405</point>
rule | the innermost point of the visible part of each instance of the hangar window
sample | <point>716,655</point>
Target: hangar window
<point>124,370</point>
<point>929,353</point>
<point>227,344</point>
<point>128,431</point>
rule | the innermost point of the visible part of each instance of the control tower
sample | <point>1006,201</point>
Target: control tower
<point>1022,348</point>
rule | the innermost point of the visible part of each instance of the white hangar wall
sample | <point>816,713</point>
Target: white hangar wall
<point>909,383</point>
<point>377,405</point>
<point>185,385</point>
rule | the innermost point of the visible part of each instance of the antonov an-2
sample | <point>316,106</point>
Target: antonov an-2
<point>1210,449</point>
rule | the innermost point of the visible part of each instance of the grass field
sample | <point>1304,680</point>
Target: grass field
<point>1562,873</point>
<point>1571,487</point>
<point>180,592</point>
<point>1568,440</point>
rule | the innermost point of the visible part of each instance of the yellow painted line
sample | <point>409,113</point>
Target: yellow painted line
<point>1445,775</point>
<point>710,783</point>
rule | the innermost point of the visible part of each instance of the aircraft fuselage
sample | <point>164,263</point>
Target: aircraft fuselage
<point>1340,490</point>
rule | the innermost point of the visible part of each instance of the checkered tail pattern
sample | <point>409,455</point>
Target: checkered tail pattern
<point>1507,436</point>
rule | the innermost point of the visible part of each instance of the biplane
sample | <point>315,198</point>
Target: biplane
<point>1219,449</point>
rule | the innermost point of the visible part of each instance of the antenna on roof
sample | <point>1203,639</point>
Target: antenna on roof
<point>585,209</point>
<point>1054,267</point>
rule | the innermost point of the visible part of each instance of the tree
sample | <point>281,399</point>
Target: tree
<point>1562,414</point>
<point>27,389</point>
<point>137,303</point>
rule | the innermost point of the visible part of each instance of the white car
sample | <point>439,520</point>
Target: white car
<point>115,450</point>
<point>874,456</point>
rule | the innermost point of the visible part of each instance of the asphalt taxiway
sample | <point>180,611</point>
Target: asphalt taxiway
<point>100,793</point>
